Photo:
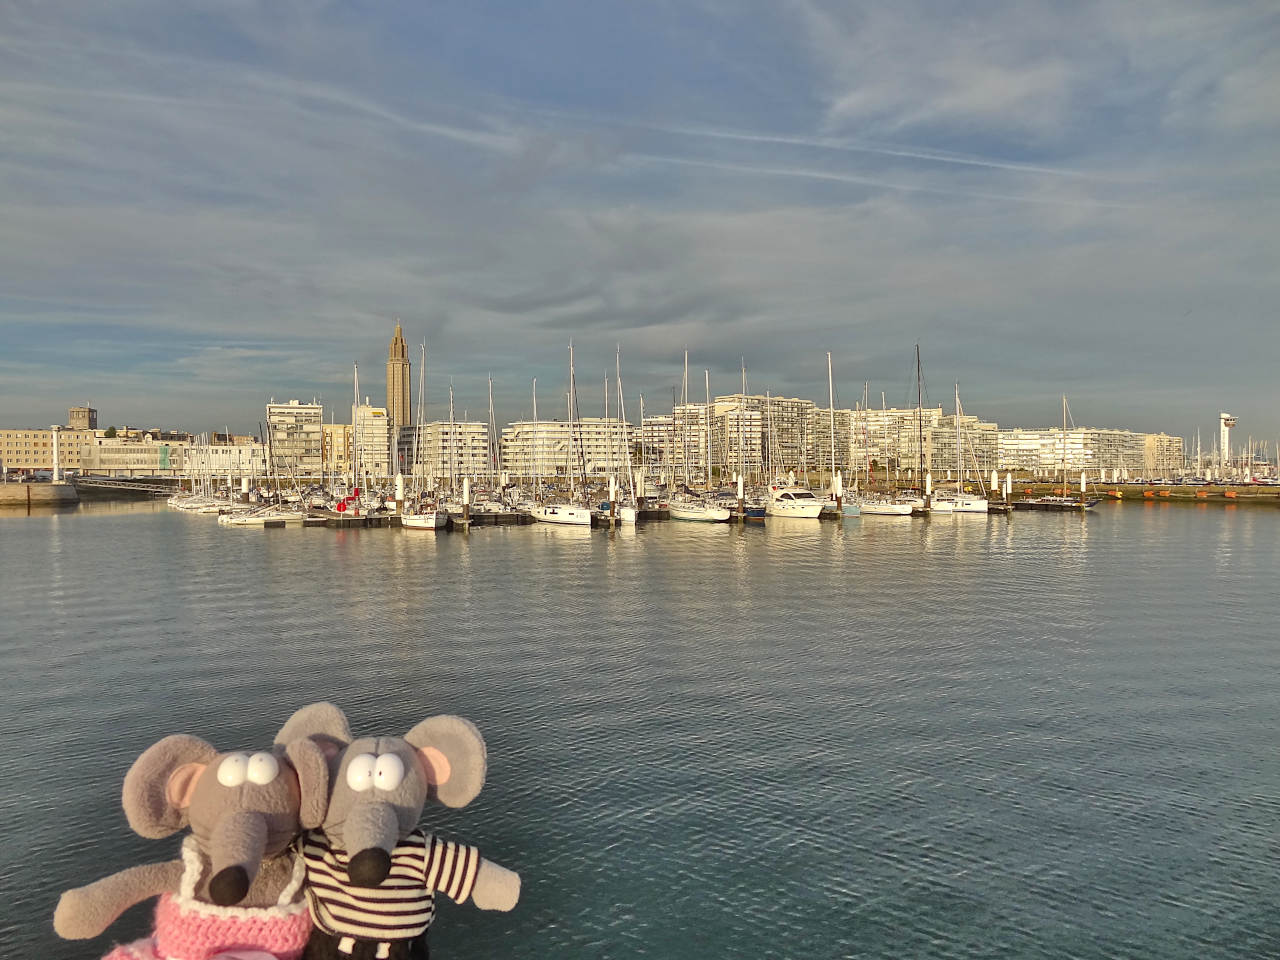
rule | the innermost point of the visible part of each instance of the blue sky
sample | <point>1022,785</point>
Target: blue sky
<point>207,204</point>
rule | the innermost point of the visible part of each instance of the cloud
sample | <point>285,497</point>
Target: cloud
<point>204,206</point>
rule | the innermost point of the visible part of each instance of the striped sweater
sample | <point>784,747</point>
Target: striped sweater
<point>403,905</point>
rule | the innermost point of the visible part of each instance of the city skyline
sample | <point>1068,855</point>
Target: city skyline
<point>210,206</point>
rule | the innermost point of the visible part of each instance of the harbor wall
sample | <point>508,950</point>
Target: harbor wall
<point>38,495</point>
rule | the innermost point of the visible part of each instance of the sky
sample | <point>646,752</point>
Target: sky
<point>205,205</point>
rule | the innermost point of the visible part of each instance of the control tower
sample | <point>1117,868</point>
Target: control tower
<point>1225,422</point>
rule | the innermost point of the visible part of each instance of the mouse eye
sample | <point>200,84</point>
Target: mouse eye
<point>263,768</point>
<point>360,772</point>
<point>388,772</point>
<point>233,769</point>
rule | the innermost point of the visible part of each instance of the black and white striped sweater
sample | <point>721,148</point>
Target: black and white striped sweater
<point>403,905</point>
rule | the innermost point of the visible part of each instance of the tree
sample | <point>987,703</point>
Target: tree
<point>110,433</point>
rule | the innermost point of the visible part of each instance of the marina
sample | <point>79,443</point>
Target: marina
<point>926,738</point>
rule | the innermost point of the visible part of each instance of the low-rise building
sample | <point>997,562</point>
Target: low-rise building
<point>30,449</point>
<point>140,454</point>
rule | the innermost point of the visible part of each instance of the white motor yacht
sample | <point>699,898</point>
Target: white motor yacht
<point>792,501</point>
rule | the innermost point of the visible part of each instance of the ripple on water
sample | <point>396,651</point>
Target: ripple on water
<point>1022,737</point>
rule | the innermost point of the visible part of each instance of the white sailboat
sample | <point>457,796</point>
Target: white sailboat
<point>960,501</point>
<point>567,513</point>
<point>421,515</point>
<point>847,508</point>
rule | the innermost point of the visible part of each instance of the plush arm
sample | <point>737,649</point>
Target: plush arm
<point>87,911</point>
<point>496,888</point>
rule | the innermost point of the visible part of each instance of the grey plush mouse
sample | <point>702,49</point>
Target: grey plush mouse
<point>371,874</point>
<point>238,882</point>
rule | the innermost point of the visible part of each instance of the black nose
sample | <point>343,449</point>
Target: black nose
<point>228,886</point>
<point>368,868</point>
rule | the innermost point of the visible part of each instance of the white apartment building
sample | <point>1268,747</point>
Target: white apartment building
<point>601,446</point>
<point>657,446</point>
<point>1044,452</point>
<point>891,436</point>
<point>823,424</point>
<point>737,437</point>
<point>979,447</point>
<point>450,451</point>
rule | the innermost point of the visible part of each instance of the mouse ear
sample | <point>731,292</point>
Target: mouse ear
<point>158,787</point>
<point>452,754</point>
<point>323,722</point>
<point>312,765</point>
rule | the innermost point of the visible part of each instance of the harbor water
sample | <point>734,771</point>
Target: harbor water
<point>1044,735</point>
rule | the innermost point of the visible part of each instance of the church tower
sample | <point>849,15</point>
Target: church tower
<point>399,403</point>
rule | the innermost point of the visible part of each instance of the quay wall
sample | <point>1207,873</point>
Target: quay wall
<point>38,495</point>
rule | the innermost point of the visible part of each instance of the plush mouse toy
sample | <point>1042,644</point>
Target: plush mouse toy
<point>236,890</point>
<point>371,874</point>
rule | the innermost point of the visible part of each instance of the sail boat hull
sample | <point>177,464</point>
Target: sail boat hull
<point>563,513</point>
<point>430,520</point>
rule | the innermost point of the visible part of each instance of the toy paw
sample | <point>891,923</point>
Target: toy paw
<point>496,888</point>
<point>70,920</point>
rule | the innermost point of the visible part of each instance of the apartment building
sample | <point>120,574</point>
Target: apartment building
<point>295,438</point>
<point>601,446</point>
<point>451,451</point>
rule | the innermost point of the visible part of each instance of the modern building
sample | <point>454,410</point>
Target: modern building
<point>219,461</point>
<point>399,400</point>
<point>136,454</point>
<point>295,438</point>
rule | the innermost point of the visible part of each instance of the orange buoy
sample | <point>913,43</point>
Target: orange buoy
<point>1148,494</point>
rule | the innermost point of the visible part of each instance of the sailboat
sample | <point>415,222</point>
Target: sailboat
<point>846,508</point>
<point>419,515</point>
<point>959,501</point>
<point>686,505</point>
<point>567,513</point>
<point>1060,502</point>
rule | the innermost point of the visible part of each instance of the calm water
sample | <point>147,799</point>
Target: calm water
<point>1043,736</point>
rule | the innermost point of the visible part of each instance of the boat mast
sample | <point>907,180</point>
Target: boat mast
<point>355,432</point>
<point>742,409</point>
<point>684,419</point>
<point>920,428</point>
<point>706,416</point>
<point>573,403</point>
<point>533,449</point>
<point>452,449</point>
<point>831,404</point>
<point>959,462</point>
<point>491,441</point>
<point>416,466</point>
<point>626,439</point>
